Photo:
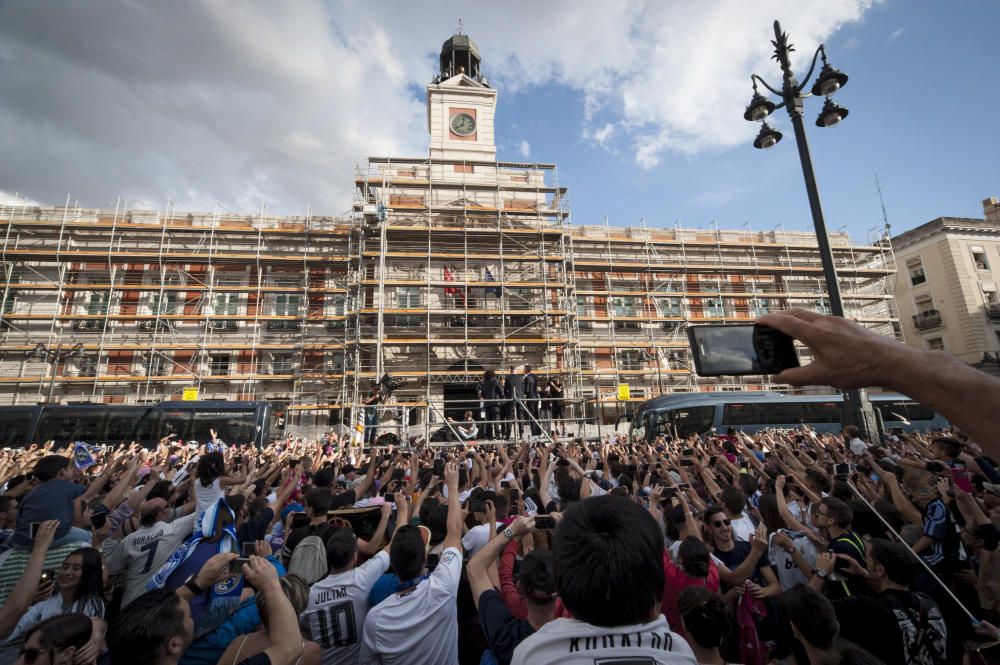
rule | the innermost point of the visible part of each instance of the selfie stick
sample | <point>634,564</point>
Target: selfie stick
<point>975,621</point>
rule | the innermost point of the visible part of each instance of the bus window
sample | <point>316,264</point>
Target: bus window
<point>146,427</point>
<point>660,423</point>
<point>693,420</point>
<point>822,412</point>
<point>232,427</point>
<point>639,426</point>
<point>734,415</point>
<point>780,413</point>
<point>916,411</point>
<point>121,428</point>
<point>14,426</point>
<point>175,422</point>
<point>68,425</point>
<point>892,412</point>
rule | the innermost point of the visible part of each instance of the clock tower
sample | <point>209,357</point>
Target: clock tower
<point>461,105</point>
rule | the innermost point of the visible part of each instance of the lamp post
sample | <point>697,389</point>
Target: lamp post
<point>55,356</point>
<point>857,409</point>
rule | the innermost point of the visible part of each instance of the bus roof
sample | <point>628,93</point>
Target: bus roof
<point>701,399</point>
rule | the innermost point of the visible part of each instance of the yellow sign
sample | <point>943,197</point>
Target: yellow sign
<point>623,392</point>
<point>190,394</point>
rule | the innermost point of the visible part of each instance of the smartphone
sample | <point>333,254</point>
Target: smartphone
<point>238,459</point>
<point>504,484</point>
<point>439,467</point>
<point>513,495</point>
<point>47,576</point>
<point>686,462</point>
<point>600,466</point>
<point>668,493</point>
<point>33,529</point>
<point>739,350</point>
<point>684,487</point>
<point>390,497</point>
<point>477,507</point>
<point>236,565</point>
<point>712,460</point>
<point>98,520</point>
<point>841,470</point>
<point>545,522</point>
<point>687,452</point>
<point>248,549</point>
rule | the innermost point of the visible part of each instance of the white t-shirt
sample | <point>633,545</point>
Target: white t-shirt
<point>419,627</point>
<point>858,446</point>
<point>338,605</point>
<point>476,538</point>
<point>573,642</point>
<point>207,496</point>
<point>743,528</point>
<point>789,573</point>
<point>144,551</point>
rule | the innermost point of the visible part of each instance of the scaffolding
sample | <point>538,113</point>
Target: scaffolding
<point>443,269</point>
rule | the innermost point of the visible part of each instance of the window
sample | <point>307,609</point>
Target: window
<point>66,425</point>
<point>281,363</point>
<point>97,303</point>
<point>916,269</point>
<point>693,420</point>
<point>631,359</point>
<point>822,412</point>
<point>979,257</point>
<point>287,304</point>
<point>713,308</point>
<point>822,305</point>
<point>218,364</point>
<point>935,344</point>
<point>337,304</point>
<point>408,297</point>
<point>87,365</point>
<point>780,413</point>
<point>623,306</point>
<point>583,306</point>
<point>738,414</point>
<point>668,306</point>
<point>163,304</point>
<point>227,304</point>
<point>156,365</point>
<point>758,307</point>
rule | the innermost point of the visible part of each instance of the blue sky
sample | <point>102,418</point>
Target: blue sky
<point>261,105</point>
<point>923,96</point>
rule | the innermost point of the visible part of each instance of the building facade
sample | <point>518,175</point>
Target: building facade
<point>450,264</point>
<point>946,287</point>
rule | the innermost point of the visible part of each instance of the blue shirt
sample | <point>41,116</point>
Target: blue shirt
<point>49,501</point>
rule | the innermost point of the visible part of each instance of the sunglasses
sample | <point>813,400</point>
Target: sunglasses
<point>31,655</point>
<point>721,523</point>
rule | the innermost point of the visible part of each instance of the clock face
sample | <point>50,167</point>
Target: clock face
<point>463,124</point>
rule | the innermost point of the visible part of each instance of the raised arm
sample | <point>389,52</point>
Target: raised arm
<point>454,535</point>
<point>20,598</point>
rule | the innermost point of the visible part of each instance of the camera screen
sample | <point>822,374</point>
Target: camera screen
<point>741,349</point>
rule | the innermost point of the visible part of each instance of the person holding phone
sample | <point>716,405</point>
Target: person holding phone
<point>834,518</point>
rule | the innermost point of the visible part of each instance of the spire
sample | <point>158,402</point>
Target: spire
<point>460,55</point>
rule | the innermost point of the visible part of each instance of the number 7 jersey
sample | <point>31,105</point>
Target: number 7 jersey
<point>338,605</point>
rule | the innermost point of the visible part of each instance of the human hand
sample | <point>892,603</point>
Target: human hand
<point>214,570</point>
<point>782,540</point>
<point>451,476</point>
<point>853,567</point>
<point>779,484</point>
<point>825,561</point>
<point>44,535</point>
<point>522,526</point>
<point>755,590</point>
<point>845,354</point>
<point>387,508</point>
<point>262,549</point>
<point>491,512</point>
<point>259,573</point>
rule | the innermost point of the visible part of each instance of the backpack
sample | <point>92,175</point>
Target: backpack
<point>309,560</point>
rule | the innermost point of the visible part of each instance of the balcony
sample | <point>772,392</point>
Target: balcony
<point>926,320</point>
<point>90,325</point>
<point>993,310</point>
<point>284,326</point>
<point>155,326</point>
<point>223,326</point>
<point>627,325</point>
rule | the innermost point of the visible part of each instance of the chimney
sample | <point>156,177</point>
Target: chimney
<point>991,209</point>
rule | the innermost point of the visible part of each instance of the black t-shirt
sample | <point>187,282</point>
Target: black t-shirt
<point>847,585</point>
<point>255,528</point>
<point>502,629</point>
<point>257,659</point>
<point>887,625</point>
<point>734,557</point>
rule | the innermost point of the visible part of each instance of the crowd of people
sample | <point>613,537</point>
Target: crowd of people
<point>777,546</point>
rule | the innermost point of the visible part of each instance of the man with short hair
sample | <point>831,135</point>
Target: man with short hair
<point>734,502</point>
<point>531,397</point>
<point>418,625</point>
<point>616,608</point>
<point>338,604</point>
<point>834,518</point>
<point>897,625</point>
<point>54,499</point>
<point>853,441</point>
<point>144,551</point>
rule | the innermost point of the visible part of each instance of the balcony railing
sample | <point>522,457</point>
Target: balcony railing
<point>993,310</point>
<point>929,319</point>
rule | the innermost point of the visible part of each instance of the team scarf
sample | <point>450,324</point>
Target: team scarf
<point>82,456</point>
<point>224,596</point>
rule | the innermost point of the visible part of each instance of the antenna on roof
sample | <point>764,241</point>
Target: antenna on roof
<point>881,200</point>
<point>459,31</point>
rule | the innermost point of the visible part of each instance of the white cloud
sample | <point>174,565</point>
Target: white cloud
<point>524,149</point>
<point>15,199</point>
<point>257,101</point>
<point>896,34</point>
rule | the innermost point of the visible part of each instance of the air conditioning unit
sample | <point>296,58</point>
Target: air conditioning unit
<point>335,326</point>
<point>153,325</point>
<point>223,326</point>
<point>585,325</point>
<point>627,325</point>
